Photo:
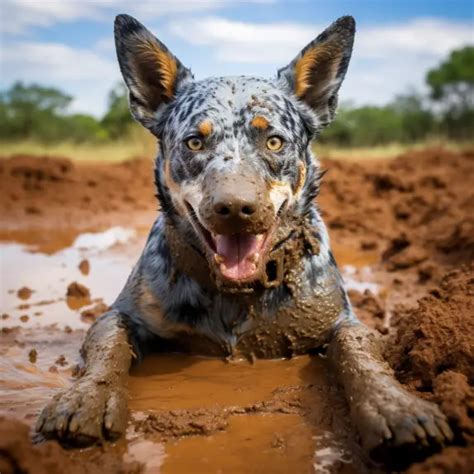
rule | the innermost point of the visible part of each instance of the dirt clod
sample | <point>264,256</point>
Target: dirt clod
<point>91,314</point>
<point>24,293</point>
<point>32,356</point>
<point>76,290</point>
<point>61,360</point>
<point>84,266</point>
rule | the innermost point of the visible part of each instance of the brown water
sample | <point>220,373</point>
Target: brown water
<point>274,416</point>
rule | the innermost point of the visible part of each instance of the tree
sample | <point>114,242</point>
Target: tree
<point>27,109</point>
<point>416,119</point>
<point>117,120</point>
<point>452,87</point>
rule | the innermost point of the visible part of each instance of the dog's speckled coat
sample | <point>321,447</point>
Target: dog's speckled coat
<point>178,297</point>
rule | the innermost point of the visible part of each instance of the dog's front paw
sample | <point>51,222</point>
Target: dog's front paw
<point>88,412</point>
<point>390,421</point>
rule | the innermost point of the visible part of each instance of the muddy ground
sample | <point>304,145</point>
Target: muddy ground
<point>403,233</point>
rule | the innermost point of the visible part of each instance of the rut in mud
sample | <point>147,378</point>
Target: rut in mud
<point>403,232</point>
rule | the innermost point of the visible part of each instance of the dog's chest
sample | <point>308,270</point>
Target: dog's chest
<point>295,328</point>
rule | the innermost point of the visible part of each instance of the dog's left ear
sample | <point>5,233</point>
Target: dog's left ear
<point>316,74</point>
<point>152,73</point>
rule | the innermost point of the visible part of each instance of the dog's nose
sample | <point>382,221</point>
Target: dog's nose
<point>234,207</point>
<point>236,203</point>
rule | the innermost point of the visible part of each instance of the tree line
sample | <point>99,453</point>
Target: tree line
<point>35,112</point>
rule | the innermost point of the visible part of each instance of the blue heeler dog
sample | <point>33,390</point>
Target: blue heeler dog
<point>238,263</point>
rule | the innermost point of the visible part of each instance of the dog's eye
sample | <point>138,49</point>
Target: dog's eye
<point>194,144</point>
<point>274,143</point>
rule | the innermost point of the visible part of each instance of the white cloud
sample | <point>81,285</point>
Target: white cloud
<point>20,15</point>
<point>234,41</point>
<point>54,61</point>
<point>421,36</point>
<point>84,73</point>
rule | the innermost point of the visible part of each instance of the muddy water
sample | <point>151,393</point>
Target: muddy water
<point>278,419</point>
<point>179,381</point>
<point>49,265</point>
<point>275,416</point>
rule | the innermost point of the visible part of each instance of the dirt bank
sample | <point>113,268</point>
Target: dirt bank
<point>45,193</point>
<point>403,230</point>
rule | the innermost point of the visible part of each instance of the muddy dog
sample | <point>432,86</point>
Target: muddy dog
<point>238,263</point>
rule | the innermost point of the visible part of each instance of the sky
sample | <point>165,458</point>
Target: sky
<point>69,44</point>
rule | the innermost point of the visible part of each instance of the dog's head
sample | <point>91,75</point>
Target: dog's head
<point>235,163</point>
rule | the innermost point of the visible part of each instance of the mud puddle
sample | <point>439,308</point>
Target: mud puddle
<point>266,416</point>
<point>188,414</point>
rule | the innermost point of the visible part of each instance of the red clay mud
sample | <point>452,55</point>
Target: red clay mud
<point>406,228</point>
<point>55,193</point>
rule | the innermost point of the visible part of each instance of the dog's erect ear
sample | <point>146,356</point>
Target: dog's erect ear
<point>153,75</point>
<point>316,74</point>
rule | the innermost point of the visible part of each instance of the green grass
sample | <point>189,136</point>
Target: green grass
<point>388,151</point>
<point>139,144</point>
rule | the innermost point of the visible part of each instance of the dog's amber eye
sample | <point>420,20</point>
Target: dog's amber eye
<point>274,143</point>
<point>194,144</point>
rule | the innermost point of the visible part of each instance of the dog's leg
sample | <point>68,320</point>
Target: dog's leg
<point>95,407</point>
<point>385,414</point>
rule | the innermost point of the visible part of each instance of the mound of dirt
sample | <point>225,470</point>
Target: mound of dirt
<point>432,351</point>
<point>57,193</point>
<point>416,207</point>
<point>438,334</point>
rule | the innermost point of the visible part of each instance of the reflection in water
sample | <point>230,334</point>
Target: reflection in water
<point>50,274</point>
<point>104,240</point>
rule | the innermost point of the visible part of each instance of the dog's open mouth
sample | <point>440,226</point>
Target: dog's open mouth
<point>237,257</point>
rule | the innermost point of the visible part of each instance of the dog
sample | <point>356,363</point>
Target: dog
<point>238,263</point>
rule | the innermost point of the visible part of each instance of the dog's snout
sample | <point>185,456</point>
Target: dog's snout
<point>235,203</point>
<point>235,207</point>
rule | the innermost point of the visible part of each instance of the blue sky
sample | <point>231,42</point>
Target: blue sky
<point>69,44</point>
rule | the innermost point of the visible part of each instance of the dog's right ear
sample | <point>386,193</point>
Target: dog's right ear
<point>152,74</point>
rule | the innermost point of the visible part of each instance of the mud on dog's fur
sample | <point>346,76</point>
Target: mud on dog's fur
<point>238,263</point>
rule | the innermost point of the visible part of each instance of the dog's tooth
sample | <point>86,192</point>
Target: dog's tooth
<point>254,257</point>
<point>218,258</point>
<point>222,267</point>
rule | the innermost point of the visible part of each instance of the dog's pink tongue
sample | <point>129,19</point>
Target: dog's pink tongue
<point>236,251</point>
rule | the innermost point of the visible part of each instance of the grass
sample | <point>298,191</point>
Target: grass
<point>138,144</point>
<point>388,151</point>
<point>143,144</point>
